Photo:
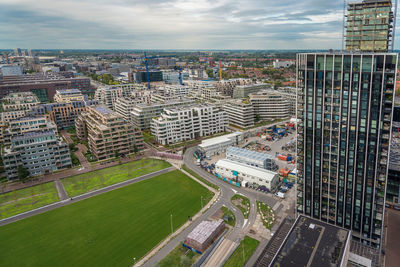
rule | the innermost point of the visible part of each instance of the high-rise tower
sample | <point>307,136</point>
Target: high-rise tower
<point>345,107</point>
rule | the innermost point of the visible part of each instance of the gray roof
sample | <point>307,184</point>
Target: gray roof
<point>248,153</point>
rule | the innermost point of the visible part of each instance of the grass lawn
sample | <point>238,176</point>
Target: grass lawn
<point>82,183</point>
<point>179,257</point>
<point>242,203</point>
<point>230,216</point>
<point>242,253</point>
<point>30,198</point>
<point>267,214</point>
<point>199,177</point>
<point>106,230</point>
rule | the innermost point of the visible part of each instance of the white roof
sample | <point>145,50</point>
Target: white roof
<point>204,230</point>
<point>246,169</point>
<point>219,139</point>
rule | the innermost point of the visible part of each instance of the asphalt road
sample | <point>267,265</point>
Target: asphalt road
<point>226,193</point>
<point>81,197</point>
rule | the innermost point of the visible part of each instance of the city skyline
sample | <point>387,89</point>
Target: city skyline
<point>307,24</point>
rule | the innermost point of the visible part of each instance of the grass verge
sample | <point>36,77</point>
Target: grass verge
<point>18,201</point>
<point>199,177</point>
<point>179,257</point>
<point>86,182</point>
<point>267,214</point>
<point>106,230</point>
<point>228,216</point>
<point>242,203</point>
<point>242,253</point>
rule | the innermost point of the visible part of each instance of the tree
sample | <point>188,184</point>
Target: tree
<point>23,173</point>
<point>258,118</point>
<point>135,149</point>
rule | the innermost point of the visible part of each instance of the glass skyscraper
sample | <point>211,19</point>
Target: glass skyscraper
<point>344,107</point>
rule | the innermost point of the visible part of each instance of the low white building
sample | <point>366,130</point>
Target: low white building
<point>219,144</point>
<point>188,122</point>
<point>243,173</point>
<point>252,158</point>
<point>283,64</point>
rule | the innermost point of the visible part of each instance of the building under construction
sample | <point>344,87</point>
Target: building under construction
<point>369,26</point>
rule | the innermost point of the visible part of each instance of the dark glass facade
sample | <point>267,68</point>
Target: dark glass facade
<point>345,104</point>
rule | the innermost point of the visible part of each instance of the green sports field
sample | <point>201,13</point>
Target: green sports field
<point>107,230</point>
<point>22,200</point>
<point>90,181</point>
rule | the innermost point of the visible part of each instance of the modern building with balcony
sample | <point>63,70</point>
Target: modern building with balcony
<point>240,113</point>
<point>345,105</point>
<point>270,105</point>
<point>107,133</point>
<point>68,95</point>
<point>187,123</point>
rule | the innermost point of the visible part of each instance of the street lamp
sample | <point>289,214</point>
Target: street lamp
<point>172,228</point>
<point>134,261</point>
<point>201,202</point>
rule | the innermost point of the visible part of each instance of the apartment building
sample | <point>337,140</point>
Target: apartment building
<point>34,144</point>
<point>125,105</point>
<point>226,87</point>
<point>270,105</point>
<point>243,91</point>
<point>63,114</point>
<point>143,113</point>
<point>186,123</point>
<point>68,95</point>
<point>108,95</point>
<point>345,105</point>
<point>240,113</point>
<point>17,105</point>
<point>177,90</point>
<point>107,133</point>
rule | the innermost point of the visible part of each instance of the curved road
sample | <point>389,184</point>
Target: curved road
<point>226,193</point>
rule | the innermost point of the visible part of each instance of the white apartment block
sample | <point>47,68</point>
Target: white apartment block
<point>17,105</point>
<point>270,105</point>
<point>188,122</point>
<point>177,90</point>
<point>240,113</point>
<point>124,106</point>
<point>108,95</point>
<point>226,87</point>
<point>68,95</point>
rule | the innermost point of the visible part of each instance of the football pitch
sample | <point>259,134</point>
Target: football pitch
<point>110,229</point>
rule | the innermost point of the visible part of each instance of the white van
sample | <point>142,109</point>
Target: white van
<point>280,194</point>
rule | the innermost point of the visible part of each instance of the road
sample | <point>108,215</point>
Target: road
<point>83,196</point>
<point>226,193</point>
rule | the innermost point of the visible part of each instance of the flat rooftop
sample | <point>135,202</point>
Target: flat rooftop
<point>313,243</point>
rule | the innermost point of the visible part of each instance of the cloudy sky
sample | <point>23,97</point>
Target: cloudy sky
<point>171,24</point>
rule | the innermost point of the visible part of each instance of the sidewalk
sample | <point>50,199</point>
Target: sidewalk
<point>183,227</point>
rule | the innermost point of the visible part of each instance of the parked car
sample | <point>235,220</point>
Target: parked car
<point>280,194</point>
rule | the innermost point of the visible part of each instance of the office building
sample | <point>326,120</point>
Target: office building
<point>44,85</point>
<point>240,113</point>
<point>11,70</point>
<point>369,26</point>
<point>154,76</point>
<point>252,158</point>
<point>243,91</point>
<point>142,114</point>
<point>345,103</point>
<point>189,122</point>
<point>34,144</point>
<point>68,96</point>
<point>172,77</point>
<point>245,175</point>
<point>17,52</point>
<point>107,133</point>
<point>393,183</point>
<point>269,105</point>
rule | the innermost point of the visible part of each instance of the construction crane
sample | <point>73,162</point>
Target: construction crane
<point>180,76</point>
<point>147,70</point>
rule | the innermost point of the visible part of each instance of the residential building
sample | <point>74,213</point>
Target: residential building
<point>393,183</point>
<point>245,175</point>
<point>124,106</point>
<point>107,133</point>
<point>311,242</point>
<point>269,105</point>
<point>240,113</point>
<point>369,26</point>
<point>34,144</point>
<point>142,114</point>
<point>226,87</point>
<point>68,96</point>
<point>17,105</point>
<point>108,95</point>
<point>243,91</point>
<point>63,114</point>
<point>188,122</point>
<point>218,145</point>
<point>44,85</point>
<point>345,103</point>
<point>252,158</point>
<point>177,90</point>
<point>11,70</point>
